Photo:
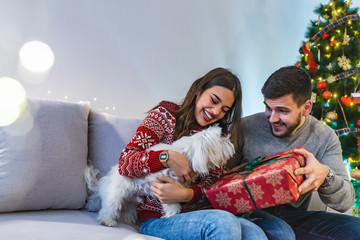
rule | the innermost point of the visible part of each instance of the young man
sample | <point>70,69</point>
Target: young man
<point>287,124</point>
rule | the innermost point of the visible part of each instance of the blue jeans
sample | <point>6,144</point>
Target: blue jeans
<point>306,224</point>
<point>202,224</point>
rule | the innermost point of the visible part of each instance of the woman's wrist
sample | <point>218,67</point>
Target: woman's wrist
<point>189,195</point>
<point>170,158</point>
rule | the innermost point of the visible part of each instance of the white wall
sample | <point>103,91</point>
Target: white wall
<point>131,54</point>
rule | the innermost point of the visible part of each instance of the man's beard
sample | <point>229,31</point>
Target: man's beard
<point>289,129</point>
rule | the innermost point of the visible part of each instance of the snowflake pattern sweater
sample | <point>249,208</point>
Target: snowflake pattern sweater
<point>136,162</point>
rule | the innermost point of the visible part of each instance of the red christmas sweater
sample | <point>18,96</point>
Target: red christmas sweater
<point>136,162</point>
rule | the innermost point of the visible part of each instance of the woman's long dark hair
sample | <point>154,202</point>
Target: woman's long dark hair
<point>186,113</point>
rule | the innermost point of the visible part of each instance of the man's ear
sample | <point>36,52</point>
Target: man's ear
<point>307,108</point>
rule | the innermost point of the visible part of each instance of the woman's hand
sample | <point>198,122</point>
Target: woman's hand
<point>170,191</point>
<point>180,164</point>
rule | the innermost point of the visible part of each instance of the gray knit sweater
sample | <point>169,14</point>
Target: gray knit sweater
<point>318,138</point>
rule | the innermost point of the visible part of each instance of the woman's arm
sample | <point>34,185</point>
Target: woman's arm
<point>135,161</point>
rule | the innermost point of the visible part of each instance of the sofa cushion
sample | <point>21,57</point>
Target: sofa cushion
<point>63,224</point>
<point>43,156</point>
<point>108,136</point>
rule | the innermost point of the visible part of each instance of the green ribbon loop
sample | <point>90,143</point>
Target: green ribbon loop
<point>250,166</point>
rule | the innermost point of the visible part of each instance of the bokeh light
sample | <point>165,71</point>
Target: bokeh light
<point>12,100</point>
<point>36,56</point>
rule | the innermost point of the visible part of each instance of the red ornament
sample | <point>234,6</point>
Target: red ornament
<point>346,100</point>
<point>333,43</point>
<point>321,85</point>
<point>297,65</point>
<point>325,35</point>
<point>326,95</point>
<point>358,124</point>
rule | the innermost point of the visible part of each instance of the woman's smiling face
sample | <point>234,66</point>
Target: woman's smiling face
<point>213,104</point>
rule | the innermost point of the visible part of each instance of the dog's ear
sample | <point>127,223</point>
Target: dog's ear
<point>228,149</point>
<point>199,153</point>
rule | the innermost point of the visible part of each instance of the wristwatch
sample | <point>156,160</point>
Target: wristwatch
<point>164,157</point>
<point>329,180</point>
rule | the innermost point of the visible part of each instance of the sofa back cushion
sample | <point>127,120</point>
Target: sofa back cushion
<point>108,136</point>
<point>43,156</point>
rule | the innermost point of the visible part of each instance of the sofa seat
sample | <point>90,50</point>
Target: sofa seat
<point>62,224</point>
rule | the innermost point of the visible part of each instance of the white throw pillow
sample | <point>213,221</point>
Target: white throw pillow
<point>43,156</point>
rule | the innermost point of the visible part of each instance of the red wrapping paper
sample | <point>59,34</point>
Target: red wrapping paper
<point>261,183</point>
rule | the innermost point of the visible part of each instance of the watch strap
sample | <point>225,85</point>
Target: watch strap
<point>330,178</point>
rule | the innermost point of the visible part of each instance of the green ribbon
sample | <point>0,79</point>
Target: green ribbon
<point>250,166</point>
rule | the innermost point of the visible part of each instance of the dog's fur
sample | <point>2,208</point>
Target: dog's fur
<point>118,196</point>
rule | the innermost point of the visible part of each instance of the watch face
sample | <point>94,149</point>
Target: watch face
<point>330,179</point>
<point>163,156</point>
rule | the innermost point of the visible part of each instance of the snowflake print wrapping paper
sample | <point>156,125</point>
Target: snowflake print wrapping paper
<point>261,183</point>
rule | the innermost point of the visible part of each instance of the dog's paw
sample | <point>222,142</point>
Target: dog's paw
<point>170,210</point>
<point>108,222</point>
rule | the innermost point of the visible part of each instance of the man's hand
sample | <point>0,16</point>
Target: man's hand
<point>170,191</point>
<point>315,172</point>
<point>180,164</point>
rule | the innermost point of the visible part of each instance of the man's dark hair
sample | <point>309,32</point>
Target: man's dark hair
<point>288,80</point>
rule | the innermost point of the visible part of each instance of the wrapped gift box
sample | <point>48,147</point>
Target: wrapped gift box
<point>261,183</point>
<point>356,97</point>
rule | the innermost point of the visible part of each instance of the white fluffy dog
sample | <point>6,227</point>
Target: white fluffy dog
<point>118,196</point>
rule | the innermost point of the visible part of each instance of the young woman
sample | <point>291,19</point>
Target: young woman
<point>213,98</point>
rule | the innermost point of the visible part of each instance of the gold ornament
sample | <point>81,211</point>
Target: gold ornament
<point>334,13</point>
<point>344,63</point>
<point>346,39</point>
<point>331,116</point>
<point>331,79</point>
<point>355,173</point>
<point>313,97</point>
<point>355,211</point>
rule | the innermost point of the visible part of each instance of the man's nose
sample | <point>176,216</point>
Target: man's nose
<point>273,117</point>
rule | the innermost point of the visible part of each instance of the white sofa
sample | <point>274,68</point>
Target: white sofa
<point>42,159</point>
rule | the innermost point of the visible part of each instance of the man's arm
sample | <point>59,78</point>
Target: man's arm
<point>340,194</point>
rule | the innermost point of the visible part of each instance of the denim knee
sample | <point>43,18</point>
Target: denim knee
<point>201,224</point>
<point>222,224</point>
<point>274,227</point>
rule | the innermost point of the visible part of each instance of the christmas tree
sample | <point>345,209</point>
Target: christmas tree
<point>331,56</point>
